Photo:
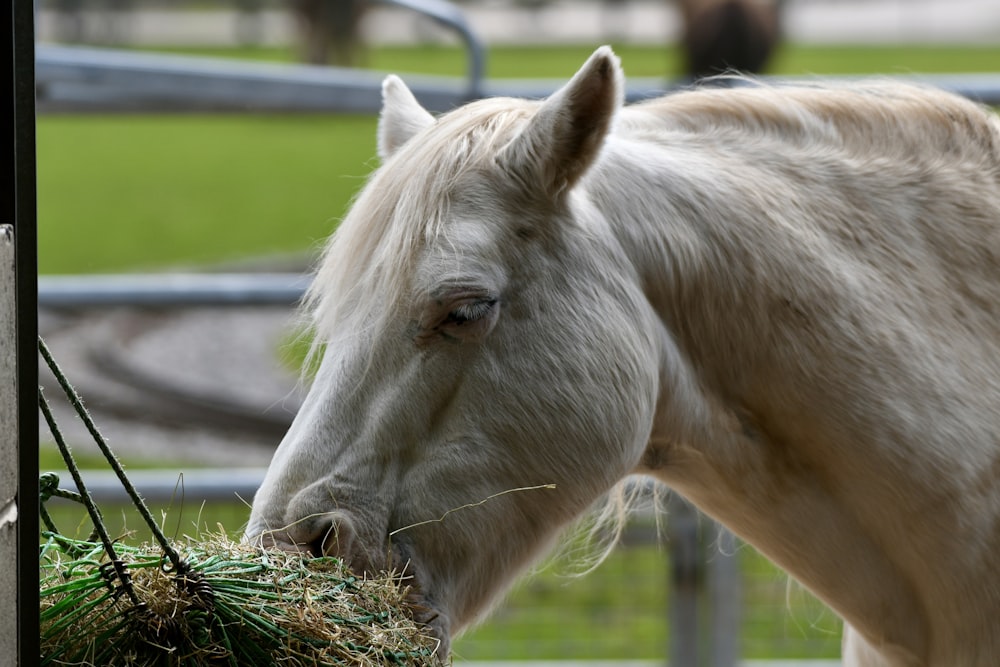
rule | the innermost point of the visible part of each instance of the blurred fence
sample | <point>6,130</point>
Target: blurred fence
<point>84,78</point>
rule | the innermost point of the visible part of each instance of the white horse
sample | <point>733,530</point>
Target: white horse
<point>784,303</point>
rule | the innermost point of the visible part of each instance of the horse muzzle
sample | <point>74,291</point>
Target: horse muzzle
<point>330,534</point>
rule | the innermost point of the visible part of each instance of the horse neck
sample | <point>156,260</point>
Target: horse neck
<point>763,434</point>
<point>675,218</point>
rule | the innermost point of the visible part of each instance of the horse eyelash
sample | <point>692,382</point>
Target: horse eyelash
<point>469,312</point>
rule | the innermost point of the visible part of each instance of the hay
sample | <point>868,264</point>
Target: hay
<point>236,605</point>
<point>209,601</point>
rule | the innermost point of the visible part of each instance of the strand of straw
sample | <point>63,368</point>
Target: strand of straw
<point>471,505</point>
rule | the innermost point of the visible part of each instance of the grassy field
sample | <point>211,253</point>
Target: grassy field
<point>122,193</point>
<point>136,192</point>
<point>645,60</point>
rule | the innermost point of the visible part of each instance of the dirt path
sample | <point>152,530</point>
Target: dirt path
<point>194,385</point>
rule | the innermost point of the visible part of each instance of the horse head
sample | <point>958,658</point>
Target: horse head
<point>490,364</point>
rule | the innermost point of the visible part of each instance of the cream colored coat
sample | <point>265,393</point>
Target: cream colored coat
<point>782,302</point>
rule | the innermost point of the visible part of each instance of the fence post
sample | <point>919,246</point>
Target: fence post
<point>687,574</point>
<point>705,589</point>
<point>725,595</point>
<point>8,447</point>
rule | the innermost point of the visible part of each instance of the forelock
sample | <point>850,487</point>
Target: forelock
<point>366,268</point>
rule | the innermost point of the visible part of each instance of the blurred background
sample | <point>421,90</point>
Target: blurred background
<point>193,156</point>
<point>673,39</point>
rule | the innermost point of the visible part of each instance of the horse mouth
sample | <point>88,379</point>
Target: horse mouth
<point>425,612</point>
<point>401,567</point>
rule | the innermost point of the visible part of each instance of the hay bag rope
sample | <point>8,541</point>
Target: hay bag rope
<point>210,602</point>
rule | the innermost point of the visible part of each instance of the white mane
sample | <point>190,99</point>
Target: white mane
<point>403,206</point>
<point>883,119</point>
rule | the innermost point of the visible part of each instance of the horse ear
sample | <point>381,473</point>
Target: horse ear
<point>565,135</point>
<point>401,117</point>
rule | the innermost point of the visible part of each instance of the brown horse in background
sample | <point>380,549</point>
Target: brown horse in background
<point>718,35</point>
<point>329,30</point>
<point>729,35</point>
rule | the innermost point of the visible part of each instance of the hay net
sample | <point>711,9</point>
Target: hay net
<point>206,600</point>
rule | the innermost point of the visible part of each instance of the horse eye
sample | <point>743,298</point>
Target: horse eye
<point>469,312</point>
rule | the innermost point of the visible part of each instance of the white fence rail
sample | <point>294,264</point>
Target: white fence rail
<point>171,289</point>
<point>108,79</point>
<point>89,78</point>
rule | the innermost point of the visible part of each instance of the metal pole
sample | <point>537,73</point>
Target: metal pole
<point>705,594</point>
<point>687,575</point>
<point>451,16</point>
<point>172,289</point>
<point>725,597</point>
<point>196,485</point>
<point>20,316</point>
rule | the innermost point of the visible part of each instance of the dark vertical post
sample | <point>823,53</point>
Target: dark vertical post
<point>687,576</point>
<point>725,599</point>
<point>705,589</point>
<point>18,212</point>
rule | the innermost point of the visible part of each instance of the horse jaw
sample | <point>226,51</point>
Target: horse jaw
<point>402,117</point>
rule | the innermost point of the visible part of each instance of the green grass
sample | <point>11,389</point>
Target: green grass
<point>126,192</point>
<point>620,612</point>
<point>646,60</point>
<point>132,192</point>
<point>799,59</point>
<point>178,518</point>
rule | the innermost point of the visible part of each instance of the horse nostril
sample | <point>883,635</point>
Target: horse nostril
<point>281,540</point>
